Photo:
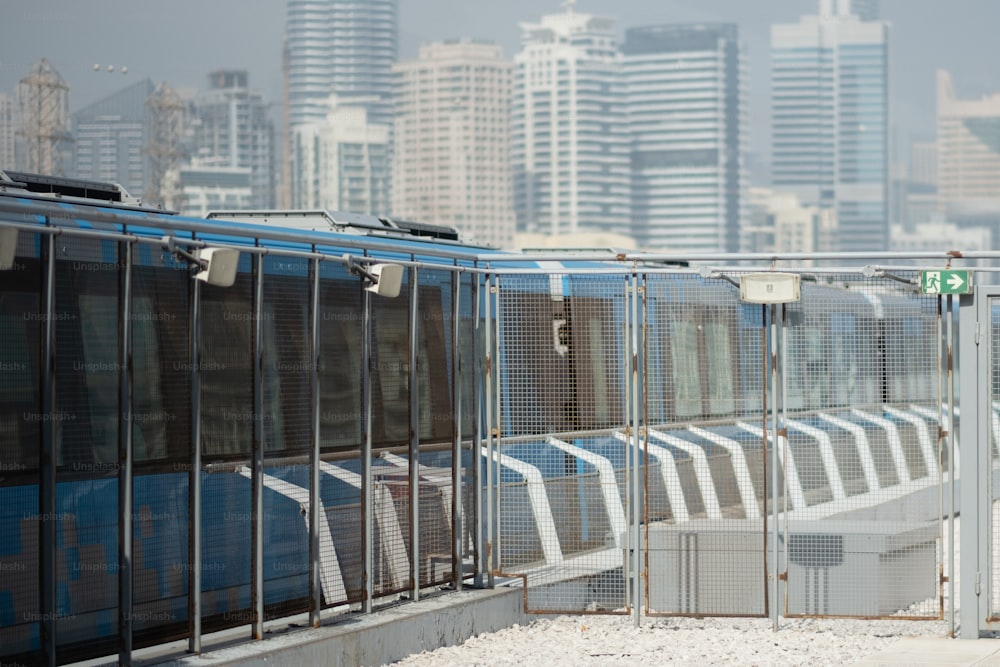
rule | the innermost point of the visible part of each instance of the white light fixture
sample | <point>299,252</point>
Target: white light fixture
<point>770,287</point>
<point>382,279</point>
<point>388,279</point>
<point>8,248</point>
<point>218,266</point>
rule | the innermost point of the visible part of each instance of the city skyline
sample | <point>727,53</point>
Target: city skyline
<point>75,38</point>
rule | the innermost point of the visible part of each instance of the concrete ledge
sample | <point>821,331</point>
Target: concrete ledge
<point>374,639</point>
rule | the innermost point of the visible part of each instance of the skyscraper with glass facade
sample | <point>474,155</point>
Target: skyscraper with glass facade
<point>340,47</point>
<point>687,128</point>
<point>830,119</point>
<point>569,136</point>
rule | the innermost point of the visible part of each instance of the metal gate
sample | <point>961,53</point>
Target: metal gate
<point>979,437</point>
<point>561,459</point>
<point>660,444</point>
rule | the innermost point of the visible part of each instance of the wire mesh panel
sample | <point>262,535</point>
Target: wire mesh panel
<point>87,399</point>
<point>391,428</point>
<point>287,407</point>
<point>560,467</point>
<point>436,421</point>
<point>227,418</point>
<point>860,365</point>
<point>704,381</point>
<point>341,426</point>
<point>161,436</point>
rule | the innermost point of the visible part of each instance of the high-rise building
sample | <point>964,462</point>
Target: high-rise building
<point>968,152</point>
<point>342,163</point>
<point>111,136</point>
<point>206,187</point>
<point>233,128</point>
<point>687,113</point>
<point>866,10</point>
<point>830,119</point>
<point>451,156</point>
<point>569,135</point>
<point>344,48</point>
<point>7,122</point>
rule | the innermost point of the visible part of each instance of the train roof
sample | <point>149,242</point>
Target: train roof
<point>30,199</point>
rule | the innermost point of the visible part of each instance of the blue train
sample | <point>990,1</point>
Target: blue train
<point>248,381</point>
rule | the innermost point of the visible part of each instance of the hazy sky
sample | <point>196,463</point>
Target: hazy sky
<point>180,41</point>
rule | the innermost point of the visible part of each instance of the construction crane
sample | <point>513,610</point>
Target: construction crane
<point>43,109</point>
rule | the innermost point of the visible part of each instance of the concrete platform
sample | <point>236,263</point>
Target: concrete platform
<point>350,639</point>
<point>936,651</point>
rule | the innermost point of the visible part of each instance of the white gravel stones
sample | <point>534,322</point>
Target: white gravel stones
<point>614,640</point>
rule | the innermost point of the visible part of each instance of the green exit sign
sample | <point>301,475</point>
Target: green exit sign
<point>946,281</point>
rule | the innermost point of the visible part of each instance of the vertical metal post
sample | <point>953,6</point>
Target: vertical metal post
<point>257,501</point>
<point>627,569</point>
<point>781,438</point>
<point>414,471</point>
<point>951,468</point>
<point>48,462</point>
<point>315,585</point>
<point>194,477</point>
<point>125,460</point>
<point>492,532</point>
<point>634,405</point>
<point>367,480</point>
<point>941,437</point>
<point>975,437</point>
<point>476,460</point>
<point>775,462</point>
<point>457,363</point>
<point>952,438</point>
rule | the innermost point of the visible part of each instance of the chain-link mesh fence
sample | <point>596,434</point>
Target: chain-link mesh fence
<point>770,435</point>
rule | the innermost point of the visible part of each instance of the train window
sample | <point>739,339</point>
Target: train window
<point>21,332</point>
<point>720,367</point>
<point>434,356</point>
<point>391,407</point>
<point>87,372</point>
<point>917,363</point>
<point>226,366</point>
<point>340,358</point>
<point>468,344</point>
<point>536,380</point>
<point>806,361</point>
<point>149,418</point>
<point>287,374</point>
<point>595,355</point>
<point>600,408</point>
<point>391,404</point>
<point>161,385</point>
<point>684,362</point>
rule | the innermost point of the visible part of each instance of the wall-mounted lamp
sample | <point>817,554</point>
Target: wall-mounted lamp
<point>382,279</point>
<point>770,287</point>
<point>218,265</point>
<point>8,248</point>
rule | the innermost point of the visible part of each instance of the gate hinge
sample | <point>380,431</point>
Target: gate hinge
<point>977,333</point>
<point>783,576</point>
<point>979,583</point>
